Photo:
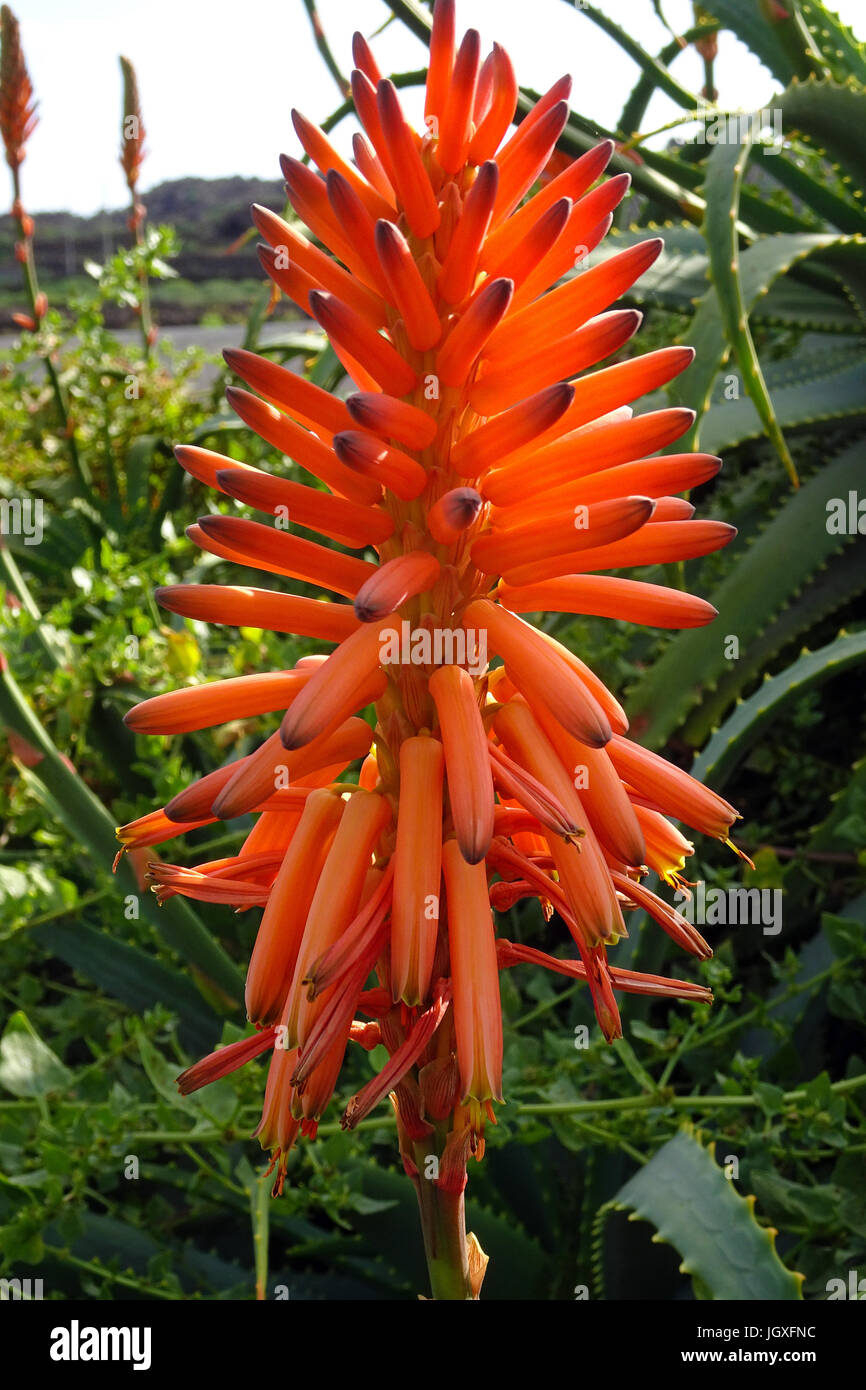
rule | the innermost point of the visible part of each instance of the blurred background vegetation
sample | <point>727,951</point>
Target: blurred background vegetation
<point>113,1186</point>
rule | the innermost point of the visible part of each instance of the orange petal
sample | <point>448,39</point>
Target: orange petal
<point>281,929</point>
<point>252,780</point>
<point>202,706</point>
<point>453,514</point>
<point>362,56</point>
<point>370,164</point>
<point>240,607</point>
<point>601,793</point>
<point>597,339</point>
<point>291,246</point>
<point>302,446</point>
<point>470,332</point>
<point>539,672</point>
<point>652,545</point>
<point>373,458</point>
<point>457,276</point>
<point>348,522</point>
<point>512,430</point>
<point>565,534</point>
<point>500,113</point>
<point>583,873</point>
<point>675,791</point>
<point>335,901</point>
<point>263,547</point>
<point>331,693</point>
<point>566,308</point>
<point>417,869</point>
<point>411,183</point>
<point>572,183</point>
<point>455,118</point>
<point>405,288</point>
<point>650,477</point>
<point>394,583</point>
<point>441,61</point>
<point>604,596</point>
<point>474,977</point>
<point>523,158</point>
<point>291,393</point>
<point>470,784</point>
<point>391,418</point>
<point>323,154</point>
<point>599,444</point>
<point>357,224</point>
<point>518,261</point>
<point>345,326</point>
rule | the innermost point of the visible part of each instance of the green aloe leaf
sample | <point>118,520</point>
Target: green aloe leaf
<point>766,38</point>
<point>739,279</point>
<point>807,389</point>
<point>695,1208</point>
<point>830,590</point>
<point>131,975</point>
<point>732,741</point>
<point>824,114</point>
<point>793,546</point>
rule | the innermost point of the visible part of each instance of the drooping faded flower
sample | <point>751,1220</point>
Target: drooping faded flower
<point>486,467</point>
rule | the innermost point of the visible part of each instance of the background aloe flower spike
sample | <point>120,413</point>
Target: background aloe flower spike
<point>486,487</point>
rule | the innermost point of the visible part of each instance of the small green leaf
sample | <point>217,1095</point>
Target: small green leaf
<point>28,1067</point>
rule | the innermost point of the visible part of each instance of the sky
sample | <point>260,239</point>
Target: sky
<point>219,79</point>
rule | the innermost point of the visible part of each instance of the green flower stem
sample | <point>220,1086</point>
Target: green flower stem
<point>443,1224</point>
<point>31,285</point>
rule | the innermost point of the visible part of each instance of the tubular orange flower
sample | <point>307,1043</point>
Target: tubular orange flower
<point>470,782</point>
<point>473,440</point>
<point>417,869</point>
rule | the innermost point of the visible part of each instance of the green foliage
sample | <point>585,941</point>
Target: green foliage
<point>112,1184</point>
